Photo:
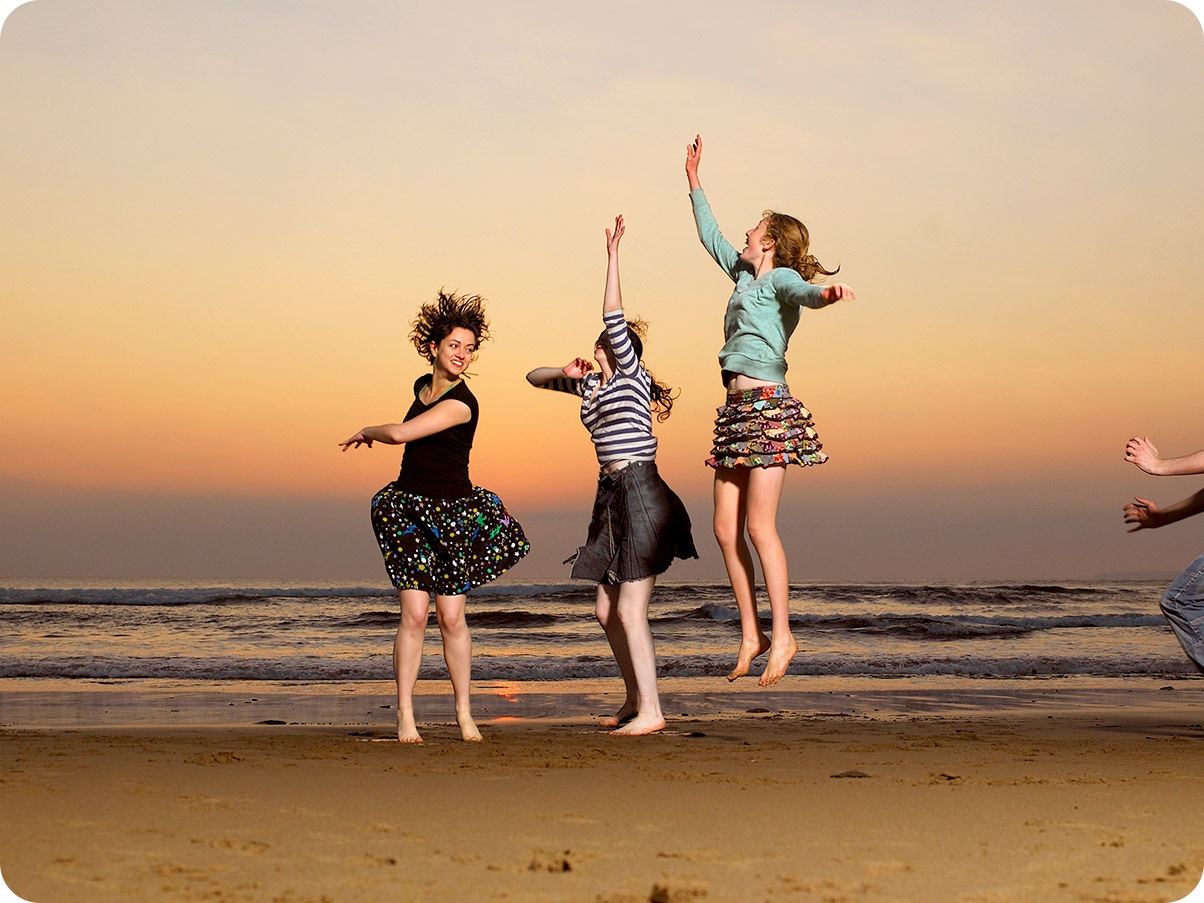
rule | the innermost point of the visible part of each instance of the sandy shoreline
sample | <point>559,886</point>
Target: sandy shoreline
<point>1037,793</point>
<point>54,703</point>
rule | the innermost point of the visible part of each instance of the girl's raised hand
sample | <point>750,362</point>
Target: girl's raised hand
<point>577,368</point>
<point>693,158</point>
<point>837,291</point>
<point>612,238</point>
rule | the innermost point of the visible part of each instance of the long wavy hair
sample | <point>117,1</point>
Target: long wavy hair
<point>792,245</point>
<point>662,394</point>
<point>448,311</point>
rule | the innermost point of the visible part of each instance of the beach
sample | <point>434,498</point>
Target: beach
<point>231,230</point>
<point>935,789</point>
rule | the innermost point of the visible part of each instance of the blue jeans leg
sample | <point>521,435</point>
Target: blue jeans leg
<point>1183,605</point>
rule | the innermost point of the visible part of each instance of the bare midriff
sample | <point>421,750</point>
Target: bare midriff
<point>738,382</point>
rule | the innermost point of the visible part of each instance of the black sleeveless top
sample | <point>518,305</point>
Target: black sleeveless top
<point>437,465</point>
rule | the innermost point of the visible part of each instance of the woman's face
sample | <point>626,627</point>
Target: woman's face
<point>602,352</point>
<point>755,245</point>
<point>455,352</point>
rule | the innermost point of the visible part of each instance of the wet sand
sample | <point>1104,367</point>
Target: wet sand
<point>891,791</point>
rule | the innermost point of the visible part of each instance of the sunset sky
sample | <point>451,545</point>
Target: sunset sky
<point>218,219</point>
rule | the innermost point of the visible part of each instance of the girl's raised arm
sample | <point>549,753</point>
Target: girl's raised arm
<point>612,298</point>
<point>693,158</point>
<point>708,230</point>
<point>626,360</point>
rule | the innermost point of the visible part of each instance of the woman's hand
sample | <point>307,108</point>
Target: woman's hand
<point>577,368</point>
<point>1141,451</point>
<point>693,158</point>
<point>356,441</point>
<point>612,238</point>
<point>837,291</point>
<point>1144,513</point>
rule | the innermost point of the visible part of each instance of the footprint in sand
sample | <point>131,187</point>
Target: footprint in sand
<point>543,861</point>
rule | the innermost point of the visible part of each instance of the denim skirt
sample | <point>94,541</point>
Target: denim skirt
<point>638,527</point>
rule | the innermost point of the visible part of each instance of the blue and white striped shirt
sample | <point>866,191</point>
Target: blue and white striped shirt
<point>618,415</point>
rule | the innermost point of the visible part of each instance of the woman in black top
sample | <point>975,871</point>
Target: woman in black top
<point>440,535</point>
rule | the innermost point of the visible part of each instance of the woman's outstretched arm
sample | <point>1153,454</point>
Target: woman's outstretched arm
<point>1145,515</point>
<point>442,416</point>
<point>1144,454</point>
<point>792,288</point>
<point>561,379</point>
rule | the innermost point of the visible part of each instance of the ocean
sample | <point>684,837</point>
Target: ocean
<point>242,631</point>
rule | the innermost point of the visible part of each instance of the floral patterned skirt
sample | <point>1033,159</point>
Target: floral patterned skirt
<point>445,546</point>
<point>764,427</point>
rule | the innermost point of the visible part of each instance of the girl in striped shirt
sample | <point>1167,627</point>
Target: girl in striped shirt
<point>639,525</point>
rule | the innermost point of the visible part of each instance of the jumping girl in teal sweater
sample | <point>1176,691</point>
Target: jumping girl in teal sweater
<point>762,428</point>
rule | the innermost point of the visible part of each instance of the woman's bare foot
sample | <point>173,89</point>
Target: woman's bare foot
<point>779,658</point>
<point>407,730</point>
<point>621,717</point>
<point>748,651</point>
<point>468,727</point>
<point>640,725</point>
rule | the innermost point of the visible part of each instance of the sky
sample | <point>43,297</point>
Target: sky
<point>218,219</point>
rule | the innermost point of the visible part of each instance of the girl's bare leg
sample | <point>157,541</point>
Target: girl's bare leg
<point>607,612</point>
<point>407,659</point>
<point>457,652</point>
<point>731,486</point>
<point>764,492</point>
<point>633,612</point>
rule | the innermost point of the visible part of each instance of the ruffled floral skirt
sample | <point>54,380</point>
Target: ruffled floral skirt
<point>764,427</point>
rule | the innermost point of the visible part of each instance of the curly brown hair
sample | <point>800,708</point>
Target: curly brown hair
<point>792,242</point>
<point>448,311</point>
<point>662,394</point>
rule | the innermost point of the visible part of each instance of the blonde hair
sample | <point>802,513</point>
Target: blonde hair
<point>792,243</point>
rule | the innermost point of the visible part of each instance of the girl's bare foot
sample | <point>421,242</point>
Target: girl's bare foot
<point>407,730</point>
<point>468,727</point>
<point>748,651</point>
<point>779,658</point>
<point>640,725</point>
<point>621,717</point>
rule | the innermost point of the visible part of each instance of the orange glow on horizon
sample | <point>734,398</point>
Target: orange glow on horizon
<point>220,220</point>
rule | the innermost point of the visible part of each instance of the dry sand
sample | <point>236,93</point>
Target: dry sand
<point>1049,800</point>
